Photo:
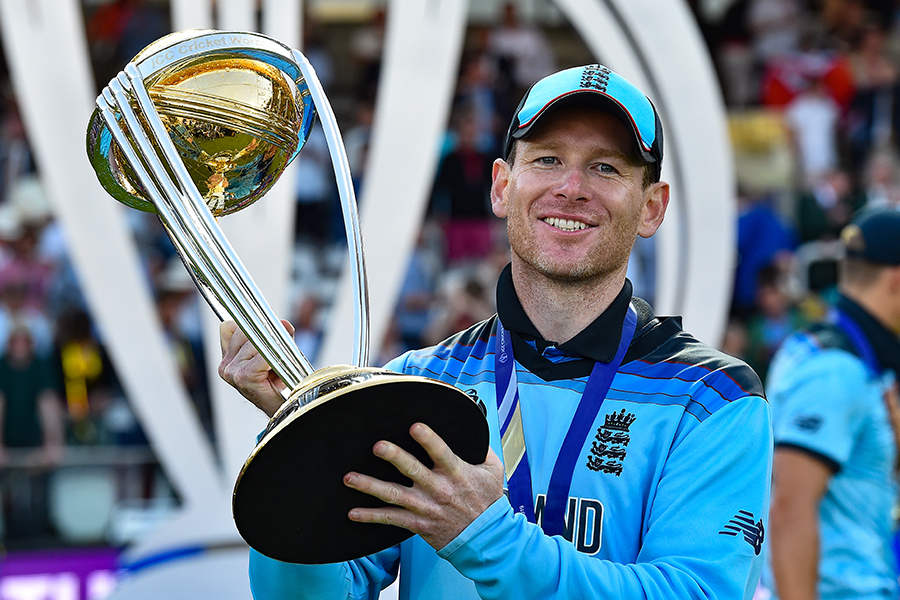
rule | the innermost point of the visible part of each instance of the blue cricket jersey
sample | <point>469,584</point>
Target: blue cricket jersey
<point>668,499</point>
<point>827,402</point>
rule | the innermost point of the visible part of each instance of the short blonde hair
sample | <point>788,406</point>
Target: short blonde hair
<point>859,273</point>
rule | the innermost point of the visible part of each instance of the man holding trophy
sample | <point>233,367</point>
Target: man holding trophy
<point>627,459</point>
<point>572,446</point>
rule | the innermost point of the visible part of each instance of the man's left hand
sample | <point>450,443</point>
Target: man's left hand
<point>442,501</point>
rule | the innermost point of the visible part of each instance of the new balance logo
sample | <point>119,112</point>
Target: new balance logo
<point>810,423</point>
<point>742,523</point>
<point>473,394</point>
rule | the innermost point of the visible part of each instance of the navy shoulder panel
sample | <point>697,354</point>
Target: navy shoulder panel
<point>667,351</point>
<point>829,335</point>
<point>446,359</point>
<point>473,340</point>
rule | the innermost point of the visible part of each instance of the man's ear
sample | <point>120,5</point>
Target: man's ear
<point>499,183</point>
<point>894,281</point>
<point>656,201</point>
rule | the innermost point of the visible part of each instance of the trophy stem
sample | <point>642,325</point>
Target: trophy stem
<point>214,264</point>
<point>348,205</point>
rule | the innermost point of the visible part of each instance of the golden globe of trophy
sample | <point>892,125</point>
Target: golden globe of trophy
<point>201,124</point>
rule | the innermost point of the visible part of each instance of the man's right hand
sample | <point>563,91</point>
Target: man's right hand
<point>245,369</point>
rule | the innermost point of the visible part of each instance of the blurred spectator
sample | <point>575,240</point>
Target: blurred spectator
<point>30,202</point>
<point>724,26</point>
<point>738,74</point>
<point>308,326</point>
<point>315,189</point>
<point>24,267</point>
<point>366,47</point>
<point>828,206</point>
<point>87,376</point>
<point>15,309</point>
<point>356,141</point>
<point>785,76</point>
<point>461,195</point>
<point>31,419</point>
<point>523,55</point>
<point>881,180</point>
<point>814,268</point>
<point>118,29</point>
<point>464,300</point>
<point>316,52</point>
<point>176,293</point>
<point>65,294</point>
<point>30,406</point>
<point>813,118</point>
<point>418,294</point>
<point>476,97</point>
<point>105,27</point>
<point>762,237</point>
<point>15,155</point>
<point>775,27</point>
<point>845,19</point>
<point>892,20</point>
<point>642,268</point>
<point>155,247</point>
<point>777,316</point>
<point>145,22</point>
<point>315,186</point>
<point>874,120</point>
<point>121,424</point>
<point>870,61</point>
<point>734,341</point>
<point>764,156</point>
<point>465,295</point>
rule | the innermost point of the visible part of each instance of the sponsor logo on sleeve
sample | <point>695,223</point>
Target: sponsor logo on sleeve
<point>743,524</point>
<point>808,423</point>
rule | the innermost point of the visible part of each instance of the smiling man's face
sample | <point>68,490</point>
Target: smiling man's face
<point>574,196</point>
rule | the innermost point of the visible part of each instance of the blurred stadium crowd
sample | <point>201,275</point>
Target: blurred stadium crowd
<point>811,88</point>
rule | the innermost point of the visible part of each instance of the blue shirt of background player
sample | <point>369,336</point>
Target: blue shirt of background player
<point>828,403</point>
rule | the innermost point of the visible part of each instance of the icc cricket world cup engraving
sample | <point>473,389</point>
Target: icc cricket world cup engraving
<point>201,124</point>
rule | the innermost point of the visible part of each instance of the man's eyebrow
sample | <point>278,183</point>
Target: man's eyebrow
<point>598,151</point>
<point>614,154</point>
<point>540,146</point>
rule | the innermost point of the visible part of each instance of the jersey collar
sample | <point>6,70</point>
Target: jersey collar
<point>598,341</point>
<point>884,343</point>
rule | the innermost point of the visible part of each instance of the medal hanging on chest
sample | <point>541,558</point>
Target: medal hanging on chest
<point>512,433</point>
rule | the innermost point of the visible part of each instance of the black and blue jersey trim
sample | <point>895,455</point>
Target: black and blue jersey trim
<point>469,346</point>
<point>670,366</point>
<point>831,464</point>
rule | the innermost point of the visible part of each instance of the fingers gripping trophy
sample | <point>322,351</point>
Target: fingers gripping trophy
<point>200,124</point>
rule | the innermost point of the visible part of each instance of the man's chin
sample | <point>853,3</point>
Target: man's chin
<point>570,271</point>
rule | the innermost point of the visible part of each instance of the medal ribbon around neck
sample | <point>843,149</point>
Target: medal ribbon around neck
<point>512,433</point>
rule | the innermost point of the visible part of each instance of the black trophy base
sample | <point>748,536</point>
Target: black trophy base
<point>290,502</point>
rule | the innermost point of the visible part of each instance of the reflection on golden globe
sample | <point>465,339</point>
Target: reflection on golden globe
<point>235,121</point>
